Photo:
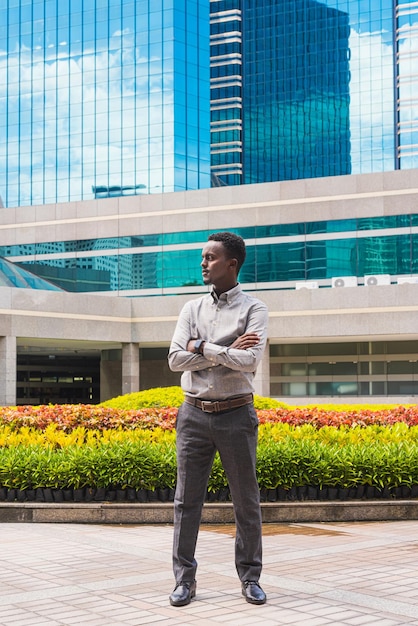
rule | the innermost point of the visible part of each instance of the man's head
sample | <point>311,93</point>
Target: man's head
<point>234,246</point>
<point>222,258</point>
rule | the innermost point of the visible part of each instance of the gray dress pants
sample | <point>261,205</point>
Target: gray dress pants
<point>234,435</point>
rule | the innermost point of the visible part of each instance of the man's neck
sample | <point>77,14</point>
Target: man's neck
<point>220,290</point>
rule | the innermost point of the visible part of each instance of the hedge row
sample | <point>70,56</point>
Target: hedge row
<point>292,463</point>
<point>67,417</point>
<point>124,450</point>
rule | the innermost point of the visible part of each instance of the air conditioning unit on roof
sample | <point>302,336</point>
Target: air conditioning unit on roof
<point>307,284</point>
<point>344,281</point>
<point>378,279</point>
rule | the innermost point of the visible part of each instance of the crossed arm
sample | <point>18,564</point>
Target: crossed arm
<point>244,353</point>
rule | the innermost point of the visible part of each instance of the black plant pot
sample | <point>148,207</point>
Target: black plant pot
<point>78,495</point>
<point>281,494</point>
<point>163,494</point>
<point>171,495</point>
<point>3,494</point>
<point>406,491</point>
<point>212,496</point>
<point>131,495</point>
<point>302,492</point>
<point>414,491</point>
<point>30,495</point>
<point>89,494</point>
<point>58,495</point>
<point>343,493</point>
<point>332,493</point>
<point>152,495</point>
<point>352,493</point>
<point>292,494</point>
<point>100,494</point>
<point>224,494</point>
<point>68,495</point>
<point>39,495</point>
<point>323,493</point>
<point>21,495</point>
<point>120,495</point>
<point>386,493</point>
<point>48,497</point>
<point>142,495</point>
<point>370,492</point>
<point>11,495</point>
<point>263,494</point>
<point>312,493</point>
<point>360,492</point>
<point>271,495</point>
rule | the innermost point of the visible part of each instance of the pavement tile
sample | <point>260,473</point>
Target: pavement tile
<point>331,574</point>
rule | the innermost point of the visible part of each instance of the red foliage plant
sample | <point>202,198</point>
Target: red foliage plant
<point>70,416</point>
<point>324,417</point>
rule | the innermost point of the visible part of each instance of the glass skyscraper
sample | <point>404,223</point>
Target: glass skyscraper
<point>307,88</point>
<point>102,98</point>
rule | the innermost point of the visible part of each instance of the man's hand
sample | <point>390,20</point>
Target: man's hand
<point>248,340</point>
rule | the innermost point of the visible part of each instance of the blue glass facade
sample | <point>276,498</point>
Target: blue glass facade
<point>406,15</point>
<point>295,91</point>
<point>302,88</point>
<point>282,255</point>
<point>102,97</point>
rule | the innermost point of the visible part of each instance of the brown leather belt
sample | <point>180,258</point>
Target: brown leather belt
<point>209,406</point>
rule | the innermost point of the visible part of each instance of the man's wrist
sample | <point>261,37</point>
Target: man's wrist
<point>198,346</point>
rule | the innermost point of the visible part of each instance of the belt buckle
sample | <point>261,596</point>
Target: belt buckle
<point>207,406</point>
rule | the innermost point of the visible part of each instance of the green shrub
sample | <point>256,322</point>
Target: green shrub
<point>260,403</point>
<point>288,457</point>
<point>170,397</point>
<point>157,397</point>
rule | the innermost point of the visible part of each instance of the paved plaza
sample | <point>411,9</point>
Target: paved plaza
<point>350,574</point>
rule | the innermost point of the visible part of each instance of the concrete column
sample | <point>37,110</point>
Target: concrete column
<point>110,374</point>
<point>8,371</point>
<point>130,368</point>
<point>262,377</point>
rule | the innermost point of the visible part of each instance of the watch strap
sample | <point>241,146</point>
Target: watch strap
<point>198,345</point>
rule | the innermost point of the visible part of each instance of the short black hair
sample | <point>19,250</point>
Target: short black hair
<point>234,245</point>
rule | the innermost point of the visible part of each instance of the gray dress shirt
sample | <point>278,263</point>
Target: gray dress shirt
<point>221,372</point>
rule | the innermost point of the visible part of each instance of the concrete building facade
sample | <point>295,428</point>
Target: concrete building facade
<point>340,337</point>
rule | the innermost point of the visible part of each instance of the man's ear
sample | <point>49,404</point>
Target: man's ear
<point>233,263</point>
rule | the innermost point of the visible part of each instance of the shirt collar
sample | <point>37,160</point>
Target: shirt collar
<point>229,296</point>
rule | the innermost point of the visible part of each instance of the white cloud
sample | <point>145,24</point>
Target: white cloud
<point>86,109</point>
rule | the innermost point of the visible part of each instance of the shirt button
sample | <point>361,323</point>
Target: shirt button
<point>210,386</point>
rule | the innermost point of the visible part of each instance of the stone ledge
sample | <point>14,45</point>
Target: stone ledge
<point>213,513</point>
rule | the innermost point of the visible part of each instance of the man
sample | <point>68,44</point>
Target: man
<point>218,343</point>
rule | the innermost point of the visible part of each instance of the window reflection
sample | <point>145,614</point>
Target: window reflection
<point>157,261</point>
<point>99,80</point>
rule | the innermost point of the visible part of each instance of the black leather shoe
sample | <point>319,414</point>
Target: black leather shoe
<point>253,593</point>
<point>183,593</point>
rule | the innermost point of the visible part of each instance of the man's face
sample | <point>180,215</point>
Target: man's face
<point>217,268</point>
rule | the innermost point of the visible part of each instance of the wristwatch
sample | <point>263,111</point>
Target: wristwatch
<point>198,346</point>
